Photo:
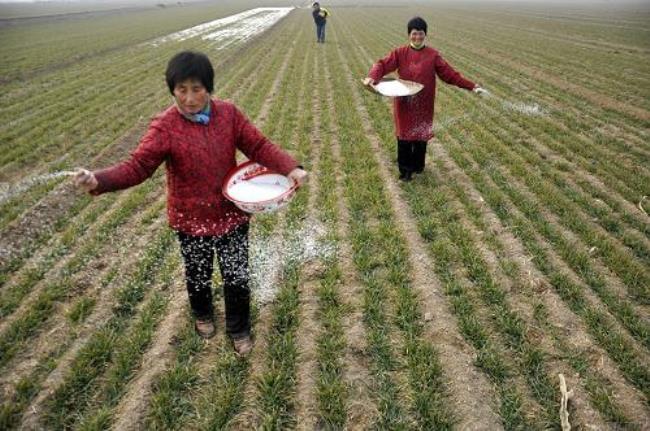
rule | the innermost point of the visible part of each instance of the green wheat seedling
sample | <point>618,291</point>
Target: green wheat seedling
<point>127,353</point>
<point>621,263</point>
<point>331,391</point>
<point>594,383</point>
<point>598,324</point>
<point>276,385</point>
<point>78,312</point>
<point>369,206</point>
<point>21,330</point>
<point>579,261</point>
<point>501,126</point>
<point>99,351</point>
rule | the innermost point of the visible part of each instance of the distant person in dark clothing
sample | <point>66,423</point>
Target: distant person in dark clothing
<point>320,15</point>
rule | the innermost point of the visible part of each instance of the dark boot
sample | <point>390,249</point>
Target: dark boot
<point>406,176</point>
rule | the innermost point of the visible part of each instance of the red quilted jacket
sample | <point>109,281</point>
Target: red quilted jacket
<point>414,114</point>
<point>197,158</point>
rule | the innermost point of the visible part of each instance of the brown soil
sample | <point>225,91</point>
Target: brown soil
<point>307,372</point>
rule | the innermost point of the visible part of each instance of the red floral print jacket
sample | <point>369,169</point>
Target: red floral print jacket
<point>197,158</point>
<point>414,114</point>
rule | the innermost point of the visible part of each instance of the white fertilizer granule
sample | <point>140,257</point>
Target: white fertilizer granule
<point>395,89</point>
<point>259,189</point>
<point>270,255</point>
<point>524,108</point>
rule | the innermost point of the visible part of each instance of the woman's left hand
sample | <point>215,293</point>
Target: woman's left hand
<point>480,91</point>
<point>299,176</point>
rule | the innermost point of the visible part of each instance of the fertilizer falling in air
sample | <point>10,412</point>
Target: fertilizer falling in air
<point>521,107</point>
<point>269,255</point>
<point>8,191</point>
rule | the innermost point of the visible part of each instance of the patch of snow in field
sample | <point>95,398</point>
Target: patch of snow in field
<point>252,20</point>
<point>247,28</point>
<point>269,256</point>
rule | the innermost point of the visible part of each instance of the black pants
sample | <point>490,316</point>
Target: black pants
<point>410,156</point>
<point>232,252</point>
<point>320,32</point>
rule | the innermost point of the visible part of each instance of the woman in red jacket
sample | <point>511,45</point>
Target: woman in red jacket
<point>197,139</point>
<point>413,115</point>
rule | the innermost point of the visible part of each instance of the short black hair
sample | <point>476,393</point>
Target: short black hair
<point>189,65</point>
<point>416,23</point>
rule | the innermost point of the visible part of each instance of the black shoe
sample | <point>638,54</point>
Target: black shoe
<point>406,176</point>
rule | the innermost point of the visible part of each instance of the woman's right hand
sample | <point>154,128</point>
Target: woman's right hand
<point>85,179</point>
<point>369,82</point>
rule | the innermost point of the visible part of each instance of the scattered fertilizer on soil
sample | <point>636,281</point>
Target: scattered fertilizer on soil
<point>8,191</point>
<point>524,108</point>
<point>445,123</point>
<point>268,256</point>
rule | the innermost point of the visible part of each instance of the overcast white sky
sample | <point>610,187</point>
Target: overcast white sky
<point>600,3</point>
<point>613,2</point>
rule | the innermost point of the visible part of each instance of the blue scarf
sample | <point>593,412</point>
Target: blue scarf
<point>202,117</point>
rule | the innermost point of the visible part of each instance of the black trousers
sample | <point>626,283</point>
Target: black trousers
<point>232,252</point>
<point>410,156</point>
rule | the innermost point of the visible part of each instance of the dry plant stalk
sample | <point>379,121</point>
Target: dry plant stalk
<point>564,412</point>
<point>641,205</point>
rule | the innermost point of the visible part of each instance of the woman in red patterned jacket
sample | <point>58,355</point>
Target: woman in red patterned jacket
<point>197,139</point>
<point>413,115</point>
